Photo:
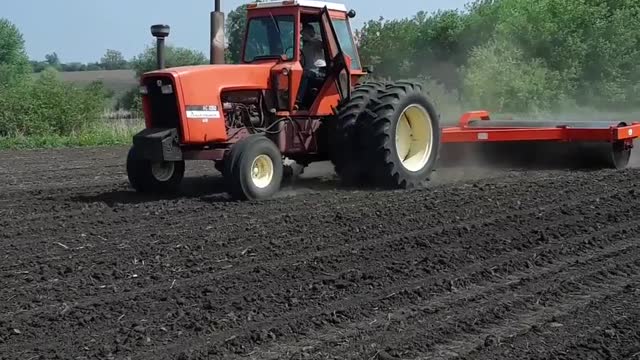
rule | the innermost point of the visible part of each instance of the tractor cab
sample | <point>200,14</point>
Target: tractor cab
<point>314,50</point>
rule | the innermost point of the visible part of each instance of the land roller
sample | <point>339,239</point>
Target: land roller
<point>300,94</point>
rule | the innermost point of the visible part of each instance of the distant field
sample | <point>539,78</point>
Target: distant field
<point>114,79</point>
<point>119,81</point>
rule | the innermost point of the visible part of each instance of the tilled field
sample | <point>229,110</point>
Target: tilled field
<point>495,265</point>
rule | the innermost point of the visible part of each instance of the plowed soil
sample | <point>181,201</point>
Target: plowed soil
<point>477,265</point>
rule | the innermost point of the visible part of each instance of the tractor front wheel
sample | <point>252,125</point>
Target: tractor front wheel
<point>402,137</point>
<point>254,169</point>
<point>147,176</point>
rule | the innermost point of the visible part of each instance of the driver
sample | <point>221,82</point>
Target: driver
<point>313,58</point>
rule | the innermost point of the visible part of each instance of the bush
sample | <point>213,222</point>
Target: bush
<point>500,79</point>
<point>131,101</point>
<point>49,106</point>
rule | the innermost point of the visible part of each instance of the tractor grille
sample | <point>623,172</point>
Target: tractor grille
<point>163,107</point>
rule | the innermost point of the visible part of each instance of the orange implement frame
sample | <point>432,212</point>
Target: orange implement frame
<point>463,133</point>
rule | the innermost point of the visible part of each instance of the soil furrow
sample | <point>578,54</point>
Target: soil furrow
<point>505,275</point>
<point>483,272</point>
<point>358,251</point>
<point>56,251</point>
<point>445,287</point>
<point>88,269</point>
<point>471,323</point>
<point>610,332</point>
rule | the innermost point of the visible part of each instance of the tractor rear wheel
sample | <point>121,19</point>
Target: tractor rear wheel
<point>344,149</point>
<point>402,136</point>
<point>154,176</point>
<point>254,169</point>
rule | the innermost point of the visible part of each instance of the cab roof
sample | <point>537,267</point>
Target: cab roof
<point>303,3</point>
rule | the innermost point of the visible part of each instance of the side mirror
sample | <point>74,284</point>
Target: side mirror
<point>368,69</point>
<point>351,14</point>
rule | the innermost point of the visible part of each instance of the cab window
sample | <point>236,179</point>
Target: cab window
<point>347,42</point>
<point>269,37</point>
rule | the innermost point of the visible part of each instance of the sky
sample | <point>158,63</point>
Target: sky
<point>82,30</point>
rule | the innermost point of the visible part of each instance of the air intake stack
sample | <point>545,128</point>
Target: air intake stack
<point>217,35</point>
<point>160,32</point>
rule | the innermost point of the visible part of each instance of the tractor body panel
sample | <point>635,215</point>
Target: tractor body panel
<point>193,104</point>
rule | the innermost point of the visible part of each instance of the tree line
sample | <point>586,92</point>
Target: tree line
<point>111,60</point>
<point>518,56</point>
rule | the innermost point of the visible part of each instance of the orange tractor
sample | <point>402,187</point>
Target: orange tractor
<point>292,96</point>
<point>298,94</point>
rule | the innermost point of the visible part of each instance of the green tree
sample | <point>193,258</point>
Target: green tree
<point>437,46</point>
<point>594,45</point>
<point>174,56</point>
<point>388,46</point>
<point>74,66</point>
<point>585,52</point>
<point>14,62</point>
<point>113,60</point>
<point>500,78</point>
<point>53,59</point>
<point>236,24</point>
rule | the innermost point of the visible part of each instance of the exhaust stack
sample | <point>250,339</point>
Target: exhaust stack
<point>217,35</point>
<point>160,32</point>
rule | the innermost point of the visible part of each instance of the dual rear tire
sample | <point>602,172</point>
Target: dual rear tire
<point>393,142</point>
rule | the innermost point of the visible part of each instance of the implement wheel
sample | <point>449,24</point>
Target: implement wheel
<point>254,169</point>
<point>402,137</point>
<point>344,144</point>
<point>148,176</point>
<point>620,155</point>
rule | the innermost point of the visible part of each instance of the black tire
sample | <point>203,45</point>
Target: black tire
<point>239,165</point>
<point>385,169</point>
<point>219,166</point>
<point>620,156</point>
<point>142,178</point>
<point>345,152</point>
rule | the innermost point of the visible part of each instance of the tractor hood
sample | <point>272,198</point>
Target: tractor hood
<point>214,79</point>
<point>193,94</point>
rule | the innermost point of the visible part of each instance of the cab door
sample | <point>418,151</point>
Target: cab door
<point>339,67</point>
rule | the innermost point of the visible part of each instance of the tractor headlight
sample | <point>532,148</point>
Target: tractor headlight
<point>167,89</point>
<point>144,90</point>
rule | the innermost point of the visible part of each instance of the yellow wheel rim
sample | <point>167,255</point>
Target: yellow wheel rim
<point>262,171</point>
<point>414,137</point>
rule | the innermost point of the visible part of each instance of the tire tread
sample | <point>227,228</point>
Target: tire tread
<point>378,137</point>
